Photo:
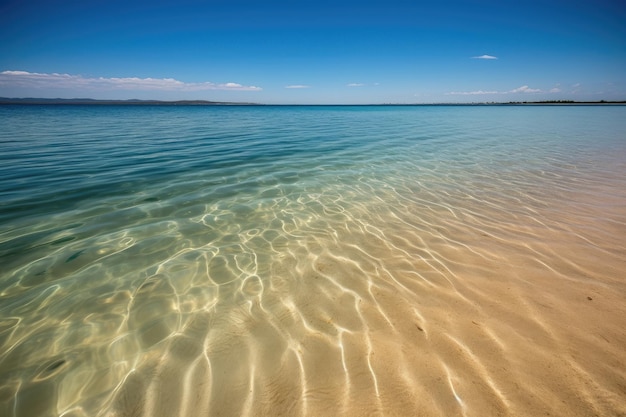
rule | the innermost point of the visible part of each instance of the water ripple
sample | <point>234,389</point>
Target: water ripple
<point>312,261</point>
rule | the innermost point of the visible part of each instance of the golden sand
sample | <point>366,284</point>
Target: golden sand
<point>500,307</point>
<point>388,302</point>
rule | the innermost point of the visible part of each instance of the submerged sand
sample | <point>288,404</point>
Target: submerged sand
<point>495,313</point>
<point>502,307</point>
<point>466,297</point>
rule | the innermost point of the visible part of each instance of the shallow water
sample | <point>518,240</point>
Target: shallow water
<point>189,261</point>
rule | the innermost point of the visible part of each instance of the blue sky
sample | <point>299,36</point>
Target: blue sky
<point>303,51</point>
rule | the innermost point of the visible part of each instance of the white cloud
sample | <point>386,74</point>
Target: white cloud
<point>355,85</point>
<point>55,80</point>
<point>525,89</point>
<point>472,93</point>
<point>297,86</point>
<point>556,88</point>
<point>522,89</point>
<point>485,57</point>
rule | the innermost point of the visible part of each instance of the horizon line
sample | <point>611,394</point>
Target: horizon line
<point>198,102</point>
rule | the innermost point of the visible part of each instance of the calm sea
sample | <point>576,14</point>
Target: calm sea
<point>444,260</point>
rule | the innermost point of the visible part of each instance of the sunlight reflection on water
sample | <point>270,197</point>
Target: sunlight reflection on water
<point>312,261</point>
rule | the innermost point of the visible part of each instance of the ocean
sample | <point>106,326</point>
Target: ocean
<point>312,260</point>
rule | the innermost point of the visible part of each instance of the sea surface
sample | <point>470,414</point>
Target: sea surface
<point>312,261</point>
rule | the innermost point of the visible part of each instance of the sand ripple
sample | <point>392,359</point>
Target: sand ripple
<point>461,285</point>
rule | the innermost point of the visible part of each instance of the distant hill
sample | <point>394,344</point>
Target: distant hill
<point>132,102</point>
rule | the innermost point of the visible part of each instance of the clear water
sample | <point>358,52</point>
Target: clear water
<point>312,260</point>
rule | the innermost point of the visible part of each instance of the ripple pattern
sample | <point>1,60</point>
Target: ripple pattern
<point>298,261</point>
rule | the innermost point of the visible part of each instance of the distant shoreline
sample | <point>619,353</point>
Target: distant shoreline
<point>135,102</point>
<point>131,102</point>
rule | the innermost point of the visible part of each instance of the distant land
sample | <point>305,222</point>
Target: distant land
<point>136,102</point>
<point>131,102</point>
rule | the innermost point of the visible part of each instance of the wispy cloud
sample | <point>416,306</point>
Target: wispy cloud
<point>522,89</point>
<point>472,93</point>
<point>55,80</point>
<point>355,85</point>
<point>485,57</point>
<point>298,86</point>
<point>556,88</point>
<point>525,89</point>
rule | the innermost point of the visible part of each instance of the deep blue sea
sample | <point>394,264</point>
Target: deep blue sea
<point>312,260</point>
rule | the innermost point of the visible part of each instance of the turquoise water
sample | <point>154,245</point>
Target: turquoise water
<point>260,260</point>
